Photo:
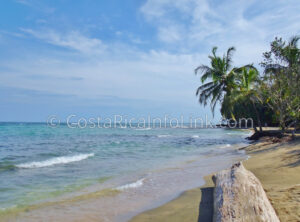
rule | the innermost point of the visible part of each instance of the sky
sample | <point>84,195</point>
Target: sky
<point>125,57</point>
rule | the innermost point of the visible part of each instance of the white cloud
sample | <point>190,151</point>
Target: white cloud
<point>119,71</point>
<point>36,5</point>
<point>24,2</point>
<point>170,34</point>
<point>187,14</point>
<point>248,25</point>
<point>72,40</point>
<point>188,27</point>
<point>157,9</point>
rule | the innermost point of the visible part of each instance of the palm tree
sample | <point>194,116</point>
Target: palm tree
<point>222,78</point>
<point>245,92</point>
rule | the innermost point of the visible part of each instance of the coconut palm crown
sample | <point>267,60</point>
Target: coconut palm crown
<point>222,77</point>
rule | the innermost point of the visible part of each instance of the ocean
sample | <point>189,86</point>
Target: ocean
<point>129,170</point>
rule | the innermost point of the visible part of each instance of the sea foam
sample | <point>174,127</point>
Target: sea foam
<point>55,161</point>
<point>143,129</point>
<point>163,136</point>
<point>136,184</point>
<point>226,146</point>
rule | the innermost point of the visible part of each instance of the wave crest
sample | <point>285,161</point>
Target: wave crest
<point>163,136</point>
<point>136,184</point>
<point>55,161</point>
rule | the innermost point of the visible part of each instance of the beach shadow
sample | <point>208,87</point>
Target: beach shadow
<point>294,156</point>
<point>206,205</point>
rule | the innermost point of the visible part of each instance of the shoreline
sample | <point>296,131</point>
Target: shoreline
<point>276,165</point>
<point>192,205</point>
<point>196,203</point>
<point>182,175</point>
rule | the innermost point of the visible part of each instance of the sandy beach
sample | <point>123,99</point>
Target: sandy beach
<point>276,165</point>
<point>192,205</point>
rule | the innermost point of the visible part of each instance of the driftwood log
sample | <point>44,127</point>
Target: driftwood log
<point>240,197</point>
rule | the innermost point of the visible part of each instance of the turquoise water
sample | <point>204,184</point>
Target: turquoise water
<point>38,163</point>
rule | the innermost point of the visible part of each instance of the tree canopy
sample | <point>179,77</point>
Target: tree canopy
<point>271,97</point>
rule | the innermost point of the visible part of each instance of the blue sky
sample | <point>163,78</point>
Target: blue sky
<point>134,57</point>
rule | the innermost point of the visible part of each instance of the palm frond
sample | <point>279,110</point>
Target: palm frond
<point>214,50</point>
<point>216,95</point>
<point>206,72</point>
<point>293,41</point>
<point>202,69</point>
<point>228,59</point>
<point>204,87</point>
<point>206,94</point>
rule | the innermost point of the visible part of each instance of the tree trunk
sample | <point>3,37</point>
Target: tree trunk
<point>255,129</point>
<point>257,116</point>
<point>282,123</point>
<point>239,196</point>
<point>295,128</point>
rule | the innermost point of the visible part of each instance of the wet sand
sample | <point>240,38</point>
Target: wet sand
<point>192,205</point>
<point>276,165</point>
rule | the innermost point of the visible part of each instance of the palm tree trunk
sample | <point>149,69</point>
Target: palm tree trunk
<point>257,116</point>
<point>255,129</point>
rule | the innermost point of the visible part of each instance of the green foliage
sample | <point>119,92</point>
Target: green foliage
<point>222,77</point>
<point>271,98</point>
<point>282,80</point>
<point>244,99</point>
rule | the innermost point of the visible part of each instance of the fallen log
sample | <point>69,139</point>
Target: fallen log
<point>240,197</point>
